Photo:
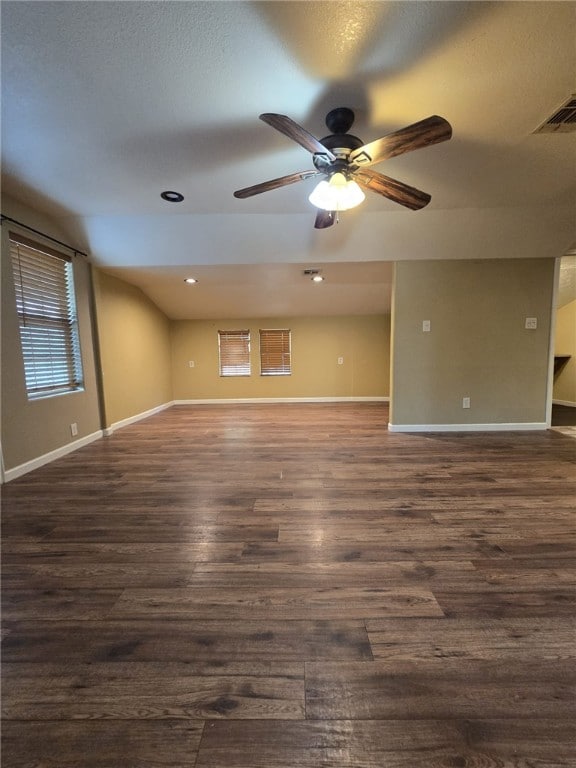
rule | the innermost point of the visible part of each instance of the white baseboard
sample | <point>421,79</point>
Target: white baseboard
<point>39,461</point>
<point>270,400</point>
<point>513,427</point>
<point>569,403</point>
<point>138,417</point>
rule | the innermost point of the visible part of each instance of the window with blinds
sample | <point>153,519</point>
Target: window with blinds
<point>234,349</point>
<point>47,317</point>
<point>275,358</point>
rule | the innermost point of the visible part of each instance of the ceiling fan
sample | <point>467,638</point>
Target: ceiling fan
<point>342,160</point>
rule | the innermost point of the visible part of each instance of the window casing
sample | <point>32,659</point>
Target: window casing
<point>234,353</point>
<point>47,317</point>
<point>275,352</point>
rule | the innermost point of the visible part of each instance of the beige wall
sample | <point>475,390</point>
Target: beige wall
<point>134,340</point>
<point>477,347</point>
<point>37,427</point>
<point>565,344</point>
<point>317,342</point>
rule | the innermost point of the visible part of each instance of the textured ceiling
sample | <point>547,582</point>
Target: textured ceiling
<point>106,104</point>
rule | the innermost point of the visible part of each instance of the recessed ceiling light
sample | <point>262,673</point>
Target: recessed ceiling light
<point>172,197</point>
<point>190,280</point>
<point>317,279</point>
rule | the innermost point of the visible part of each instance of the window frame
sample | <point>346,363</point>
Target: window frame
<point>234,353</point>
<point>45,296</point>
<point>275,342</point>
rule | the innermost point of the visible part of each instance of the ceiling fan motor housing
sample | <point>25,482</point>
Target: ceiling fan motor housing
<point>340,144</point>
<point>342,141</point>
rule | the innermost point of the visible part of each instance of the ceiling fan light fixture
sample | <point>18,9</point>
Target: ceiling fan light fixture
<point>338,194</point>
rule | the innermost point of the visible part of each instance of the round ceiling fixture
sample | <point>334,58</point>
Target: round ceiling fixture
<point>190,280</point>
<point>172,197</point>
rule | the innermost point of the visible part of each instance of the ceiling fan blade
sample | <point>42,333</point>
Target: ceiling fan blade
<point>283,181</point>
<point>300,135</point>
<point>324,219</point>
<point>430,131</point>
<point>394,190</point>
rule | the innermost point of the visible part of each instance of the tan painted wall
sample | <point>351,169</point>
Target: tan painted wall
<point>565,344</point>
<point>317,342</point>
<point>31,429</point>
<point>134,339</point>
<point>477,347</point>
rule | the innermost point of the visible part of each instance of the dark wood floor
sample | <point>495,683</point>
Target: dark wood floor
<point>292,586</point>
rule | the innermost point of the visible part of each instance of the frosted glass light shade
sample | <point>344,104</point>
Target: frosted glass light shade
<point>338,194</point>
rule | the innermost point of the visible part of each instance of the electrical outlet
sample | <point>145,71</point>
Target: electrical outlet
<point>340,361</point>
<point>191,363</point>
<point>531,323</point>
<point>465,402</point>
<point>426,326</point>
<point>74,429</point>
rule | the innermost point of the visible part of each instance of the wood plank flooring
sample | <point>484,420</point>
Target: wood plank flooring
<point>292,586</point>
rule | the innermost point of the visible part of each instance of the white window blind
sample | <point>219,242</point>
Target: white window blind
<point>47,317</point>
<point>275,357</point>
<point>234,347</point>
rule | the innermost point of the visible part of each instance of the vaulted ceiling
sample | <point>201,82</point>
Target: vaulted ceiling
<point>107,104</point>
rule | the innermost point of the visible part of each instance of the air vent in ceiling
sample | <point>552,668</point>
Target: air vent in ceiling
<point>563,119</point>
